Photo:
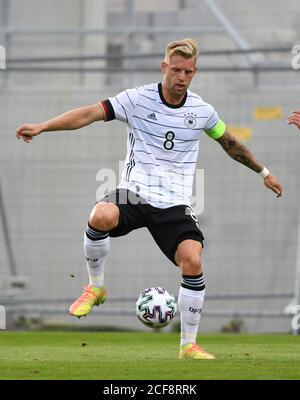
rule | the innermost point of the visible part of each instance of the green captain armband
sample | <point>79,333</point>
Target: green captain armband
<point>217,131</point>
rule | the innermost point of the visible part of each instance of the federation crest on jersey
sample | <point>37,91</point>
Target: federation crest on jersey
<point>190,121</point>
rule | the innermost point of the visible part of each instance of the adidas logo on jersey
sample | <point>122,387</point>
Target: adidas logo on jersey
<point>152,116</point>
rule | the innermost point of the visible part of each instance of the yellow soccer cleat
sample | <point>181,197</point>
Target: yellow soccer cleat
<point>195,352</point>
<point>92,296</point>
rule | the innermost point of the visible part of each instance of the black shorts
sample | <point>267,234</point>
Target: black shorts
<point>168,226</point>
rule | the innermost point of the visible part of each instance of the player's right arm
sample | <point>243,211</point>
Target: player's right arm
<point>70,120</point>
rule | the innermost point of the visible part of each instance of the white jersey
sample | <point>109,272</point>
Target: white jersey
<point>163,142</point>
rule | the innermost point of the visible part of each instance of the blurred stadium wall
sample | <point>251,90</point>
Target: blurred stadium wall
<point>48,187</point>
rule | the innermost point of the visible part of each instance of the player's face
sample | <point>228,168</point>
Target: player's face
<point>178,73</point>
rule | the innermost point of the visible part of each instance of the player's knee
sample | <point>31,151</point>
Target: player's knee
<point>104,216</point>
<point>191,264</point>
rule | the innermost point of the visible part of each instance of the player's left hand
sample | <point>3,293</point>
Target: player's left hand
<point>271,182</point>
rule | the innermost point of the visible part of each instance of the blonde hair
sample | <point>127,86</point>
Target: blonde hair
<point>187,48</point>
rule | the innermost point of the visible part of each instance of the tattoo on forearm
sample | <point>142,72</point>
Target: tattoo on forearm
<point>239,152</point>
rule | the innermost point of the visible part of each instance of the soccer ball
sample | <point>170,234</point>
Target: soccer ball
<point>156,307</point>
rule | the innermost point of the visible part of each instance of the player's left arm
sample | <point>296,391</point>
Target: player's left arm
<point>239,152</point>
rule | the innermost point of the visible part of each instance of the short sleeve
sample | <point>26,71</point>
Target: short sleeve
<point>215,127</point>
<point>121,106</point>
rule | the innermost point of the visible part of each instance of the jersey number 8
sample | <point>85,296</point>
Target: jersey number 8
<point>168,143</point>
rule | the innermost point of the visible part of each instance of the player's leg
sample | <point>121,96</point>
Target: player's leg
<point>176,231</point>
<point>191,297</point>
<point>103,218</point>
<point>118,214</point>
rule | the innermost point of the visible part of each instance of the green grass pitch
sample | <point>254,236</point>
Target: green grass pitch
<point>136,356</point>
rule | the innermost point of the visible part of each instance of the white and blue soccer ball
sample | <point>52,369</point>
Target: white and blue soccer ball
<point>156,307</point>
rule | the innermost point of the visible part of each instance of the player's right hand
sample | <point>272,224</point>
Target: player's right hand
<point>28,131</point>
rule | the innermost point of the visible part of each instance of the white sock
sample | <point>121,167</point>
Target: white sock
<point>96,251</point>
<point>190,304</point>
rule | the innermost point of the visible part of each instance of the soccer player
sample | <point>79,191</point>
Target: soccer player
<point>164,121</point>
<point>294,119</point>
